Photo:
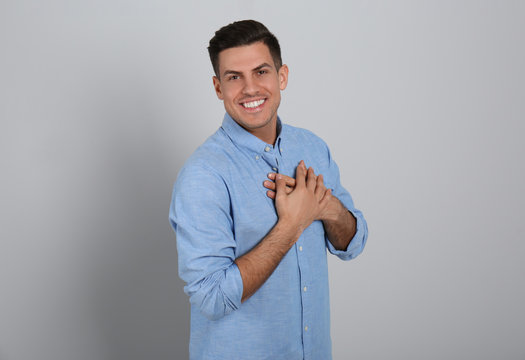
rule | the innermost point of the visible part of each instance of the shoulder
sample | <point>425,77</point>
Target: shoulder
<point>208,164</point>
<point>201,185</point>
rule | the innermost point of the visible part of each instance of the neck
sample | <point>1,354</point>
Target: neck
<point>268,134</point>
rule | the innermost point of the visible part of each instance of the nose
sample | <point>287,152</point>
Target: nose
<point>251,87</point>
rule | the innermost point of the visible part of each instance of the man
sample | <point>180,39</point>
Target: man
<point>253,220</point>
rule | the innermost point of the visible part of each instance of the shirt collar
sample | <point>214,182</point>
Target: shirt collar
<point>241,137</point>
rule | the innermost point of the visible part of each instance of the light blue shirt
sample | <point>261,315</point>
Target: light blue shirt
<point>220,211</point>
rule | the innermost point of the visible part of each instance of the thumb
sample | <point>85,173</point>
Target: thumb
<point>280,185</point>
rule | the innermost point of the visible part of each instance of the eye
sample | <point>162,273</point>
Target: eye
<point>262,72</point>
<point>233,77</point>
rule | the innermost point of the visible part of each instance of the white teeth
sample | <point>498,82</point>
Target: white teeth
<point>253,104</point>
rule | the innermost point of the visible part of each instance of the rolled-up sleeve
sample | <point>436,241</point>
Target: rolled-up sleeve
<point>357,244</point>
<point>200,216</point>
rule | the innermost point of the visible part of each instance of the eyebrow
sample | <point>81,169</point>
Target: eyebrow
<point>263,65</point>
<point>233,72</point>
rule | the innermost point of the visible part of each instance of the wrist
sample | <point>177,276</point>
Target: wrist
<point>290,229</point>
<point>335,211</point>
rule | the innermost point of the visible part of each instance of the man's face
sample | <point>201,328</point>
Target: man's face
<point>250,87</point>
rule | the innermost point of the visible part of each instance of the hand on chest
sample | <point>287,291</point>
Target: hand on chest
<point>252,211</point>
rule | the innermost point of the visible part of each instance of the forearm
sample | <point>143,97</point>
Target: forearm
<point>258,264</point>
<point>340,226</point>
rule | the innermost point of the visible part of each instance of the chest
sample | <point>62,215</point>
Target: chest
<point>252,211</point>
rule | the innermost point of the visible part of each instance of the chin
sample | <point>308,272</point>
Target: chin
<point>255,124</point>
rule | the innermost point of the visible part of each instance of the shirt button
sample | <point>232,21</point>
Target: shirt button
<point>256,157</point>
<point>300,248</point>
<point>306,328</point>
<point>274,169</point>
<point>305,288</point>
<point>267,149</point>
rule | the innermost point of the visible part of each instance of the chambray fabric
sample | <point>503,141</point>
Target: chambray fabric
<point>219,211</point>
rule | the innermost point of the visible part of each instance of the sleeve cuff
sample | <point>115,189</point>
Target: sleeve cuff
<point>219,294</point>
<point>234,287</point>
<point>356,245</point>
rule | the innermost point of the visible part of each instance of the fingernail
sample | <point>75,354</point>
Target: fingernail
<point>279,177</point>
<point>271,176</point>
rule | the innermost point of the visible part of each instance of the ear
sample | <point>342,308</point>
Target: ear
<point>283,77</point>
<point>217,87</point>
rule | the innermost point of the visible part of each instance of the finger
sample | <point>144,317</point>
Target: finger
<point>280,185</point>
<point>302,163</point>
<point>311,179</point>
<point>320,181</point>
<point>326,196</point>
<point>289,180</point>
<point>300,175</point>
<point>271,194</point>
<point>319,188</point>
<point>269,184</point>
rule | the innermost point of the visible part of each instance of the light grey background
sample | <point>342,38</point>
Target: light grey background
<point>422,103</point>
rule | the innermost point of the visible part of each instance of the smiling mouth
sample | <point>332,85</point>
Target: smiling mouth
<point>253,104</point>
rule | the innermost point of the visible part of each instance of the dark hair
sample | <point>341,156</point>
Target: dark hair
<point>239,33</point>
